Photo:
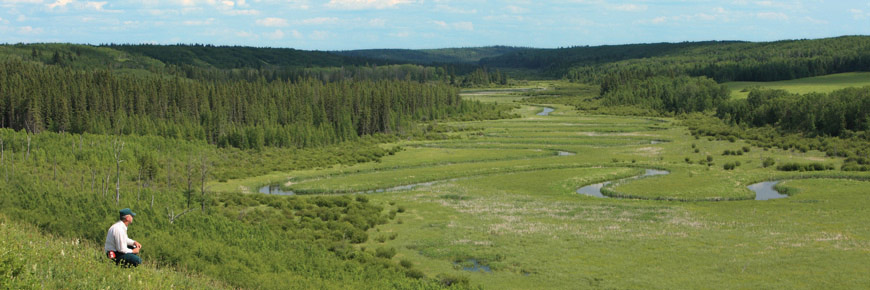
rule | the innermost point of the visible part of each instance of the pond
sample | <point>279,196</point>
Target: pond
<point>546,111</point>
<point>275,189</point>
<point>595,189</point>
<point>765,191</point>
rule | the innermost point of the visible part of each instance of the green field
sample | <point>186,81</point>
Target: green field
<point>502,199</point>
<point>822,84</point>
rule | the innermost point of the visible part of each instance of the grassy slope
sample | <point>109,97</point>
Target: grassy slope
<point>823,84</point>
<point>31,259</point>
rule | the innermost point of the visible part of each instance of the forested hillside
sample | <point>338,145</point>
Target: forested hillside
<point>467,55</point>
<point>239,113</point>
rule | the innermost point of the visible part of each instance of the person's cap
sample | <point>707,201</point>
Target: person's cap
<point>127,211</point>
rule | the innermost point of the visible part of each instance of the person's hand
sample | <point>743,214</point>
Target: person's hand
<point>137,244</point>
<point>136,251</point>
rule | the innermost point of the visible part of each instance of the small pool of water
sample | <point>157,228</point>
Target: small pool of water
<point>595,189</point>
<point>566,153</point>
<point>476,267</point>
<point>546,111</point>
<point>275,189</point>
<point>765,191</point>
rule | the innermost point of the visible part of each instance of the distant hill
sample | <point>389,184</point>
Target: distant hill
<point>466,55</point>
<point>149,57</point>
<point>558,60</point>
<point>226,57</point>
<point>720,60</point>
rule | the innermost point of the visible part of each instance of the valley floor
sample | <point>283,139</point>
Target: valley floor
<point>497,204</point>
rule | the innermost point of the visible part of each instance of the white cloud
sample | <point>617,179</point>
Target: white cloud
<point>454,10</point>
<point>248,12</point>
<point>296,33</point>
<point>401,34</point>
<point>209,21</point>
<point>772,16</point>
<point>12,2</point>
<point>366,4</point>
<point>628,7</point>
<point>277,34</point>
<point>814,21</point>
<point>29,30</point>
<point>462,25</point>
<point>659,20</point>
<point>59,3</point>
<point>245,34</point>
<point>378,22</point>
<point>272,22</point>
<point>516,9</point>
<point>319,21</point>
<point>859,14</point>
<point>98,6</point>
<point>319,35</point>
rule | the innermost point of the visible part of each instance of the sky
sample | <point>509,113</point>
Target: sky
<point>416,24</point>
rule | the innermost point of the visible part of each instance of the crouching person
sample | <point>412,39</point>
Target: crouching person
<point>119,247</point>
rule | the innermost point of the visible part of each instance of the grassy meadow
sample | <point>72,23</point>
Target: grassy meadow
<point>499,207</point>
<point>822,84</point>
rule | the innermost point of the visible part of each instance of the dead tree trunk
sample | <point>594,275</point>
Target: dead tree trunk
<point>189,170</point>
<point>203,173</point>
<point>117,147</point>
<point>93,179</point>
<point>139,191</point>
<point>27,155</point>
<point>3,160</point>
<point>172,216</point>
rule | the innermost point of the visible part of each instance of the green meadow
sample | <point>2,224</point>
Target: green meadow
<point>496,203</point>
<point>822,84</point>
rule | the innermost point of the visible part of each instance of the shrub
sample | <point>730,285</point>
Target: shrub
<point>768,162</point>
<point>815,166</point>
<point>451,279</point>
<point>414,273</point>
<point>386,253</point>
<point>406,264</point>
<point>746,149</point>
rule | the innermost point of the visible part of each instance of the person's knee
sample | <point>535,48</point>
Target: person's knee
<point>131,260</point>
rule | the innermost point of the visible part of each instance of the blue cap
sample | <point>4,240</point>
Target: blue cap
<point>127,211</point>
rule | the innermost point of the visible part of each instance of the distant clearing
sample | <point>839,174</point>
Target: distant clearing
<point>822,84</point>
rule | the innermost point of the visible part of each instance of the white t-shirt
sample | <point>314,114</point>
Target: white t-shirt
<point>117,240</point>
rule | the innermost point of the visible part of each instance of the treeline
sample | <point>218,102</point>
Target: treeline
<point>840,113</point>
<point>483,78</point>
<point>664,94</point>
<point>238,113</point>
<point>729,61</point>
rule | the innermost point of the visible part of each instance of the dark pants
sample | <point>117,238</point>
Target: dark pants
<point>127,260</point>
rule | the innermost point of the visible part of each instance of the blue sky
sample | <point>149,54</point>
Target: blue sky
<point>359,24</point>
